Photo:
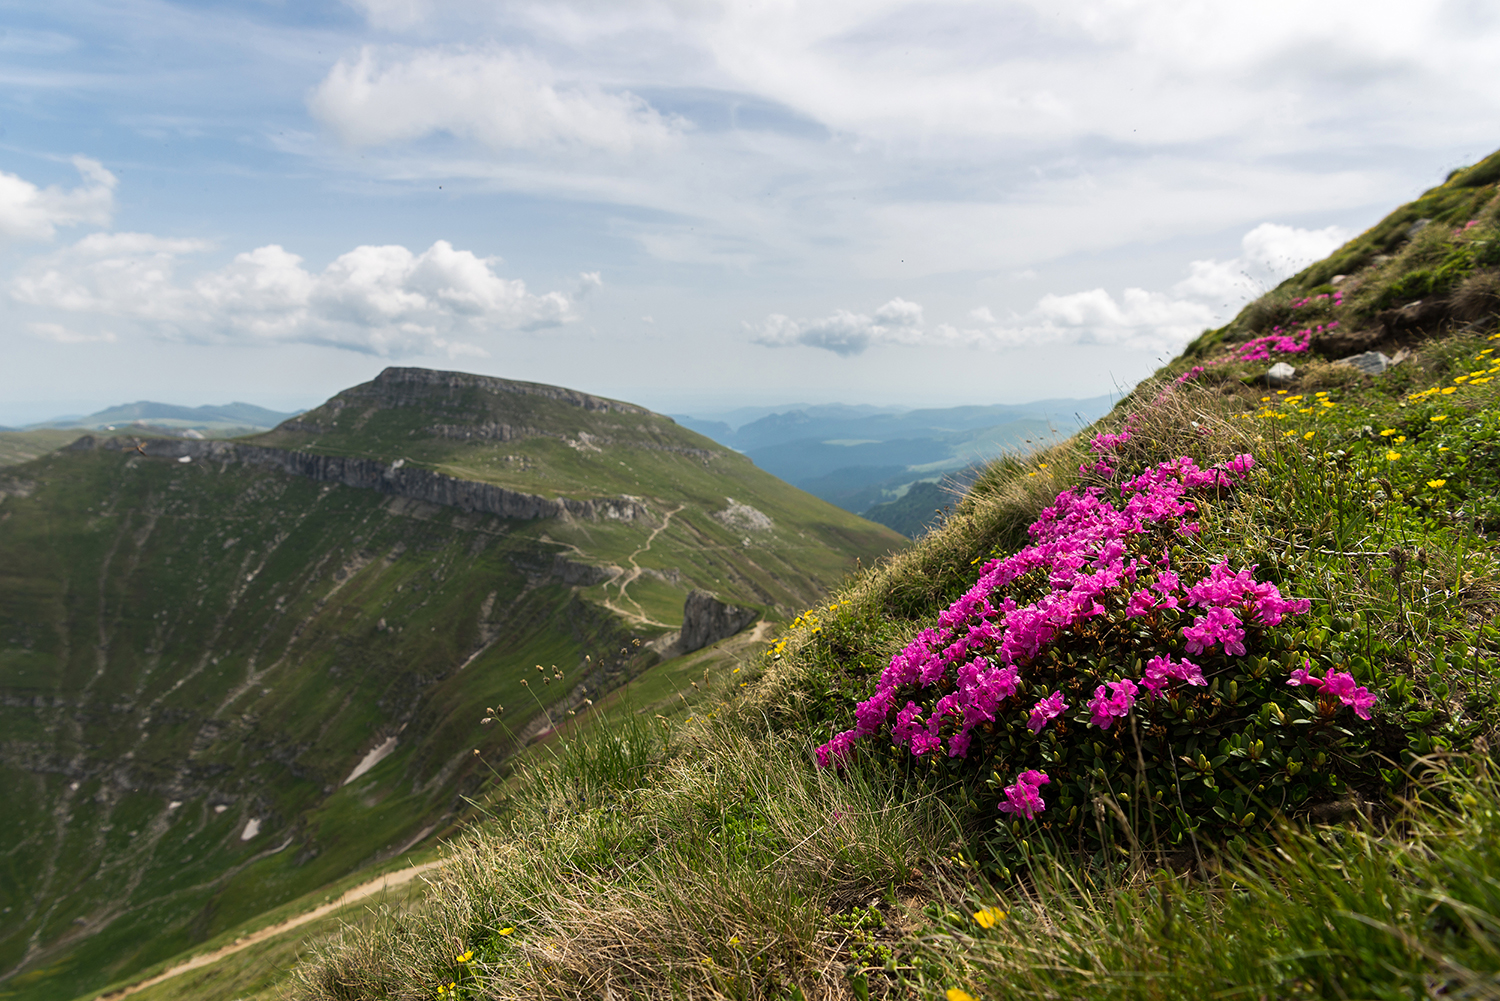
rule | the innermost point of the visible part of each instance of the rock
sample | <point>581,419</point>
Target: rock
<point>1280,375</point>
<point>396,478</point>
<point>1370,363</point>
<point>1417,227</point>
<point>1336,279</point>
<point>706,619</point>
<point>742,517</point>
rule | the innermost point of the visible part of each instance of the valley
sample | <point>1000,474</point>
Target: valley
<point>201,641</point>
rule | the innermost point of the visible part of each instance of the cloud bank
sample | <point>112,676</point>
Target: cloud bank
<point>1140,319</point>
<point>380,300</point>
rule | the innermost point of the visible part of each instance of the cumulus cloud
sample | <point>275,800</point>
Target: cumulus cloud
<point>28,212</point>
<point>1166,321</point>
<point>1137,318</point>
<point>1270,253</point>
<point>505,100</point>
<point>382,300</point>
<point>846,333</point>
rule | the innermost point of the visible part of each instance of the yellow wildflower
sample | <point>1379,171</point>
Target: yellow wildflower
<point>1387,432</point>
<point>1392,456</point>
<point>1400,438</point>
<point>1436,484</point>
<point>1308,435</point>
<point>1438,417</point>
<point>954,994</point>
<point>986,917</point>
<point>1449,390</point>
<point>506,931</point>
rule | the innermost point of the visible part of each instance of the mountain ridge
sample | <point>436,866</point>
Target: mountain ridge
<point>200,641</point>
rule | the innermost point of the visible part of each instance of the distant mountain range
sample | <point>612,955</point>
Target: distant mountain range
<point>860,457</point>
<point>241,417</point>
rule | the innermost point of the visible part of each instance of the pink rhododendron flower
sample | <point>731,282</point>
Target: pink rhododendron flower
<point>1106,705</point>
<point>1337,685</point>
<point>1161,670</point>
<point>1023,797</point>
<point>1217,625</point>
<point>1045,710</point>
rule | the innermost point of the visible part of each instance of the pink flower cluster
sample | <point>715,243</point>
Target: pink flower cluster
<point>1024,798</point>
<point>1337,685</point>
<point>1081,546</point>
<point>1260,348</point>
<point>1114,701</point>
<point>1190,374</point>
<point>1104,446</point>
<point>1337,297</point>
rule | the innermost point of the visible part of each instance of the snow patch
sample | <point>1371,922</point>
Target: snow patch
<point>372,759</point>
<point>252,828</point>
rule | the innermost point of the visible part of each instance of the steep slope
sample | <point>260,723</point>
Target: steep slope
<point>1306,808</point>
<point>231,672</point>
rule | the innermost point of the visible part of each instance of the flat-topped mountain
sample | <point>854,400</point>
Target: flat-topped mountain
<point>231,671</point>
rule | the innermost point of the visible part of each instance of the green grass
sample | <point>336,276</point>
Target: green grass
<point>703,854</point>
<point>241,638</point>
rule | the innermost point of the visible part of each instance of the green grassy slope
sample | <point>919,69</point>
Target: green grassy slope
<point>187,648</point>
<point>1249,836</point>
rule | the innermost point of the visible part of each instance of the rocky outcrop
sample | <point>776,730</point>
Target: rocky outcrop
<point>393,478</point>
<point>490,431</point>
<point>402,386</point>
<point>742,517</point>
<point>706,619</point>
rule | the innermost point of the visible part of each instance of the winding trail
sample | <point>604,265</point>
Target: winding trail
<point>629,577</point>
<point>351,896</point>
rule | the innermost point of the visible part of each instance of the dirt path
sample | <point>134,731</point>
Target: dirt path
<point>629,576</point>
<point>361,892</point>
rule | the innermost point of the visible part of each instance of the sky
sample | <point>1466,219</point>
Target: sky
<point>690,204</point>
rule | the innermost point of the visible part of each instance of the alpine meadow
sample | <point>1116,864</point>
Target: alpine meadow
<point>1196,703</point>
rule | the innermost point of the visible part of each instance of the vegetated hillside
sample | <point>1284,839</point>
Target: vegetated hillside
<point>1195,705</point>
<point>204,644</point>
<point>917,511</point>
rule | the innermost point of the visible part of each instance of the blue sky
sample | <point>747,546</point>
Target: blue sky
<point>694,205</point>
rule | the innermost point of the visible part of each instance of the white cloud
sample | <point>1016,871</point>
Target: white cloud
<point>381,300</point>
<point>1167,321</point>
<point>502,99</point>
<point>1138,319</point>
<point>28,212</point>
<point>1270,253</point>
<point>846,333</point>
